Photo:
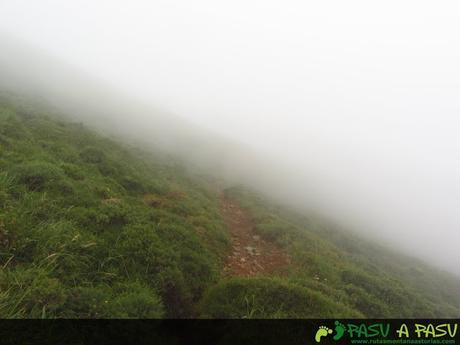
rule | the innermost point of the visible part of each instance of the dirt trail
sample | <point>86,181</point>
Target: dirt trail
<point>250,255</point>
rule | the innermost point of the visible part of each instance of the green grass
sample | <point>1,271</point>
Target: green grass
<point>265,297</point>
<point>365,277</point>
<point>93,228</point>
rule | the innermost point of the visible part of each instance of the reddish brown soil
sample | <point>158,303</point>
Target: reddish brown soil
<point>250,254</point>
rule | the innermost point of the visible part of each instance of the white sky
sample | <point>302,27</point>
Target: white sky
<point>364,95</point>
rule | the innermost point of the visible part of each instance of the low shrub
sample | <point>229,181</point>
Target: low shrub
<point>124,300</point>
<point>30,293</point>
<point>269,298</point>
<point>73,171</point>
<point>92,155</point>
<point>37,175</point>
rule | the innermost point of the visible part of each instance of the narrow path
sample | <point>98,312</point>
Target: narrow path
<point>250,255</point>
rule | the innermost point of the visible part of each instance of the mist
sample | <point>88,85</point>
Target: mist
<point>347,108</point>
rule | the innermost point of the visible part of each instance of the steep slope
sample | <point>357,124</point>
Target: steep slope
<point>90,227</point>
<point>333,273</point>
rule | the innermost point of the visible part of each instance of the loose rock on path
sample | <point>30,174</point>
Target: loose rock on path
<point>250,254</point>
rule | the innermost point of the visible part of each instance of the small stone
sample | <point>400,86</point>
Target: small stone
<point>250,250</point>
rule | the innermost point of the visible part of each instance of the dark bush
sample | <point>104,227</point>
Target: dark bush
<point>37,175</point>
<point>92,155</point>
<point>133,185</point>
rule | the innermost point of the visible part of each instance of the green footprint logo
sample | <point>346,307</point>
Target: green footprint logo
<point>339,331</point>
<point>323,331</point>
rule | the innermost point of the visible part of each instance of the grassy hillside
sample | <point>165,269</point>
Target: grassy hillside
<point>343,275</point>
<point>89,228</point>
<point>93,228</point>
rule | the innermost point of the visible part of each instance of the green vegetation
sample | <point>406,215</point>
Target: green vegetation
<point>347,271</point>
<point>270,298</point>
<point>91,228</point>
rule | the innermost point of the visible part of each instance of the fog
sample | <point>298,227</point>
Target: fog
<point>346,107</point>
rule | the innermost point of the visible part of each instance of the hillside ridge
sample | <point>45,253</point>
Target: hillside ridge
<point>91,227</point>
